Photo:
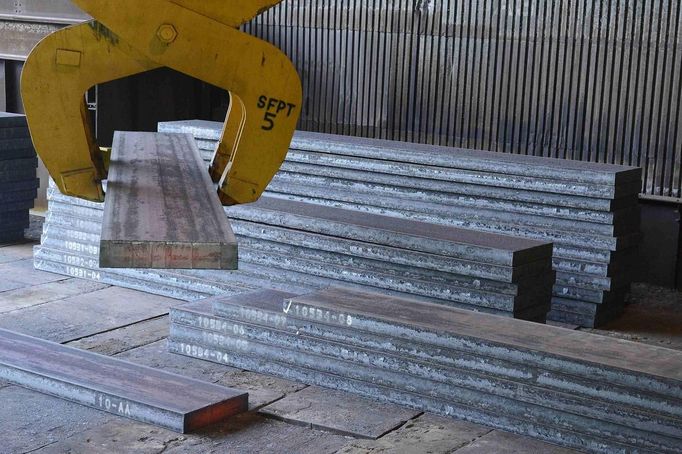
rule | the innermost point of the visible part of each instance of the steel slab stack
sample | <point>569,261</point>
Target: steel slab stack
<point>462,268</point>
<point>588,210</point>
<point>294,245</point>
<point>18,183</point>
<point>571,388</point>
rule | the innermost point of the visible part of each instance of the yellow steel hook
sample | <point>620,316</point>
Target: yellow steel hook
<point>197,37</point>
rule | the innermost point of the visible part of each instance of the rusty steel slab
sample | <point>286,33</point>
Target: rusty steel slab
<point>161,209</point>
<point>125,389</point>
<point>514,383</point>
<point>404,233</point>
<point>651,369</point>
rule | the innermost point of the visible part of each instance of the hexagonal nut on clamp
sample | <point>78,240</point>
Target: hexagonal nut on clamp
<point>167,33</point>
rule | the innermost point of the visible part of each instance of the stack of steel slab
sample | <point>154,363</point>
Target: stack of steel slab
<point>298,246</point>
<point>18,183</point>
<point>496,274</point>
<point>583,391</point>
<point>588,210</point>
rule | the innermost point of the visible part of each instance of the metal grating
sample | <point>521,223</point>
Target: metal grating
<point>595,80</point>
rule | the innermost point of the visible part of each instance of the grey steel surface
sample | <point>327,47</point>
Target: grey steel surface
<point>616,266</point>
<point>536,381</point>
<point>348,191</point>
<point>61,247</point>
<point>233,357</point>
<point>68,232</point>
<point>592,282</point>
<point>125,389</point>
<point>161,210</point>
<point>308,171</point>
<point>593,236</point>
<point>474,292</point>
<point>266,324</point>
<point>588,295</point>
<point>448,213</point>
<point>588,321</point>
<point>43,11</point>
<point>71,216</point>
<point>18,37</point>
<point>201,129</point>
<point>56,208</point>
<point>448,157</point>
<point>323,357</point>
<point>651,369</point>
<point>141,282</point>
<point>281,240</point>
<point>576,240</point>
<point>465,176</point>
<point>561,250</point>
<point>470,197</point>
<point>254,309</point>
<point>405,234</point>
<point>332,173</point>
<point>467,159</point>
<point>393,231</point>
<point>456,242</point>
<point>582,307</point>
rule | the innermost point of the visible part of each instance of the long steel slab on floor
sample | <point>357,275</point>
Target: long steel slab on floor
<point>471,368</point>
<point>125,389</point>
<point>654,369</point>
<point>161,209</point>
<point>536,405</point>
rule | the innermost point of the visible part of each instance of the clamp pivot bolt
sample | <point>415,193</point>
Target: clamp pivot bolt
<point>167,33</point>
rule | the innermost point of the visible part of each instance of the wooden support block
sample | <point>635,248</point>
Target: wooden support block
<point>161,209</point>
<point>141,393</point>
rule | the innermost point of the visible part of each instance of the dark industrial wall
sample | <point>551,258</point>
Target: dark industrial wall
<point>139,102</point>
<point>596,80</point>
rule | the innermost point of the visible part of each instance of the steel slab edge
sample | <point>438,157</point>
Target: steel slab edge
<point>125,389</point>
<point>161,209</point>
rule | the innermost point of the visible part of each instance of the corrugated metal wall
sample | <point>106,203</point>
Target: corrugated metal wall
<point>596,80</point>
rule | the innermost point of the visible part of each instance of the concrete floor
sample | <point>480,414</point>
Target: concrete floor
<point>285,416</point>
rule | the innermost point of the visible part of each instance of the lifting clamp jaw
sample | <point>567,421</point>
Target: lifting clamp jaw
<point>200,38</point>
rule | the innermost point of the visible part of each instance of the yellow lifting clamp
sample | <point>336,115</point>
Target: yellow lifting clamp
<point>199,38</point>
